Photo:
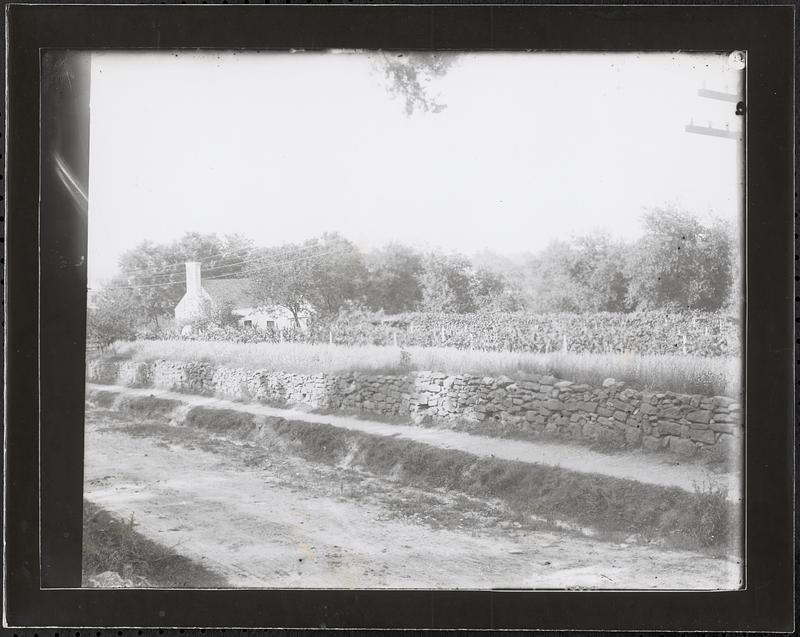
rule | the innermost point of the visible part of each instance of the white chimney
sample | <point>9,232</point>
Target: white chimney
<point>193,278</point>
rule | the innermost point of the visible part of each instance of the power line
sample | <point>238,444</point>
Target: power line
<point>246,261</point>
<point>175,266</point>
<point>221,266</point>
<point>168,283</point>
<point>163,273</point>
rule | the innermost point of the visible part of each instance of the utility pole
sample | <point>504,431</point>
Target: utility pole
<point>710,130</point>
<point>691,127</point>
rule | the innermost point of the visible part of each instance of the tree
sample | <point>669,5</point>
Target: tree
<point>113,318</point>
<point>680,264</point>
<point>585,274</point>
<point>447,283</point>
<point>154,275</point>
<point>491,292</point>
<point>393,279</point>
<point>338,273</point>
<point>598,271</point>
<point>151,277</point>
<point>437,292</point>
<point>552,285</point>
<point>321,274</point>
<point>222,257</point>
<point>216,314</point>
<point>281,277</point>
<point>412,73</point>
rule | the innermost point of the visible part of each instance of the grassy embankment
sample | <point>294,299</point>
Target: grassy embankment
<point>681,374</point>
<point>614,507</point>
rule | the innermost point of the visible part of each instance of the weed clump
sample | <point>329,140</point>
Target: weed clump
<point>710,515</point>
<point>149,406</point>
<point>218,420</point>
<point>103,399</point>
<point>316,443</point>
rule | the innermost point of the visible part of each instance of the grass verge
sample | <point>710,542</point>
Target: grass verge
<point>148,406</point>
<point>613,506</point>
<point>111,544</point>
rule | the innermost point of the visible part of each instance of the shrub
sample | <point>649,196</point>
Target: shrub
<point>711,518</point>
<point>113,318</point>
<point>218,420</point>
<point>149,406</point>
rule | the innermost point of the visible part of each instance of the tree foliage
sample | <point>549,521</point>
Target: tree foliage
<point>281,278</point>
<point>154,274</point>
<point>216,314</point>
<point>393,279</point>
<point>447,284</point>
<point>410,76</point>
<point>113,317</point>
<point>680,264</point>
<point>338,273</point>
<point>320,275</point>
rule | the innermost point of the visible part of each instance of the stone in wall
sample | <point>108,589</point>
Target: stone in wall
<point>611,414</point>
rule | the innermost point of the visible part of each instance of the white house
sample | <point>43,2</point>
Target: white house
<point>236,293</point>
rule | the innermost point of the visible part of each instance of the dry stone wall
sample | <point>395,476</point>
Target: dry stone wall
<point>529,406</point>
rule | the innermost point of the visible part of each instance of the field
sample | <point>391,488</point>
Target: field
<point>667,372</point>
<point>654,332</point>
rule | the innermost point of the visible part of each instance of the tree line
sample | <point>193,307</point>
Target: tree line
<point>678,264</point>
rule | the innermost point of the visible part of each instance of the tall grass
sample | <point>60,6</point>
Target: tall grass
<point>682,374</point>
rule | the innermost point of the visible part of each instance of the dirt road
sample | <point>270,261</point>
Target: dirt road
<point>652,469</point>
<point>264,521</point>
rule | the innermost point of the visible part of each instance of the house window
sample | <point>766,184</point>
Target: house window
<point>271,325</point>
<point>248,323</point>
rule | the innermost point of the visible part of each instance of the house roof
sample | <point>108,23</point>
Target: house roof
<point>238,293</point>
<point>234,291</point>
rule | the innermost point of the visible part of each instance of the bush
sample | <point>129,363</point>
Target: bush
<point>113,318</point>
<point>711,518</point>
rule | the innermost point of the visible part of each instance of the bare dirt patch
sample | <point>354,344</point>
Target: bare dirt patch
<point>114,551</point>
<point>266,520</point>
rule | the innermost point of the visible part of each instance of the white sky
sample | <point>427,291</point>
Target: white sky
<point>284,146</point>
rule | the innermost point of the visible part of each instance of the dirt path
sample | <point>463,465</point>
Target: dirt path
<point>277,522</point>
<point>650,469</point>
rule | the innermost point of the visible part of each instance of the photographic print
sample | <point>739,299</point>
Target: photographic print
<point>414,320</point>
